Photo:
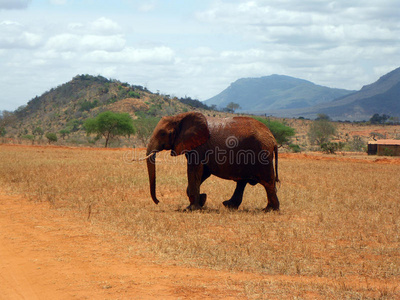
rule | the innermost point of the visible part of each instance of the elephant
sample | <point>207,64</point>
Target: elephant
<point>234,148</point>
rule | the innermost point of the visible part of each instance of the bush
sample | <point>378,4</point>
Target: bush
<point>331,147</point>
<point>357,144</point>
<point>281,132</point>
<point>295,148</point>
<point>133,94</point>
<point>320,132</point>
<point>51,137</point>
<point>87,105</point>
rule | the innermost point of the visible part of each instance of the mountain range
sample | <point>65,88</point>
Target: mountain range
<point>275,92</point>
<point>285,96</point>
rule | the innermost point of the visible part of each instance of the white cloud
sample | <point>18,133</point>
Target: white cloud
<point>104,26</point>
<point>14,35</point>
<point>106,43</point>
<point>77,43</point>
<point>158,55</point>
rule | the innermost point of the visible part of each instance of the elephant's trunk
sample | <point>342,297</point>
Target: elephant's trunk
<point>151,169</point>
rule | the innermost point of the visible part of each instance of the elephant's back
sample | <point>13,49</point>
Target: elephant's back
<point>244,129</point>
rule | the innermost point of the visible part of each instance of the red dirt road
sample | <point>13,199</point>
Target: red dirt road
<point>50,254</point>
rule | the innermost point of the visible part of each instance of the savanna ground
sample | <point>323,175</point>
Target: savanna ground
<point>80,224</point>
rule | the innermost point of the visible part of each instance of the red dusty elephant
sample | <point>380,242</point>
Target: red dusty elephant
<point>236,148</point>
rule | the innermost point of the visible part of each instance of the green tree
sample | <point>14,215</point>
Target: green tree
<point>378,119</point>
<point>320,131</point>
<point>51,137</point>
<point>281,132</point>
<point>322,117</point>
<point>64,133</point>
<point>110,125</point>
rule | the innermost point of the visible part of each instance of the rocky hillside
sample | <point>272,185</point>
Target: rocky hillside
<point>382,97</point>
<point>69,105</point>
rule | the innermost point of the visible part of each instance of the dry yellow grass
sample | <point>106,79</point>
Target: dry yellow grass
<point>337,235</point>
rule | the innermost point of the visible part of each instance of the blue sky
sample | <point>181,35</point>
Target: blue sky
<point>193,48</point>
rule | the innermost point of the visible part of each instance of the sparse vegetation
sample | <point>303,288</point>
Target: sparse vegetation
<point>88,105</point>
<point>333,238</point>
<point>144,128</point>
<point>321,131</point>
<point>38,132</point>
<point>7,118</point>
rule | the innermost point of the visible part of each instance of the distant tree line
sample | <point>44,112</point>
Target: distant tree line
<point>384,119</point>
<point>194,103</point>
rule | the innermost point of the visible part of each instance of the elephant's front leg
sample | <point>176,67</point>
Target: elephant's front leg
<point>205,175</point>
<point>194,174</point>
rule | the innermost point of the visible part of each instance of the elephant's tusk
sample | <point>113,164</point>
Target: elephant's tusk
<point>144,158</point>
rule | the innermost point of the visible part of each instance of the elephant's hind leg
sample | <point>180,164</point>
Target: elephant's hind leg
<point>273,201</point>
<point>237,196</point>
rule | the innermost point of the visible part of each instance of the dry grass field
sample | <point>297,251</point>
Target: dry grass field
<point>337,235</point>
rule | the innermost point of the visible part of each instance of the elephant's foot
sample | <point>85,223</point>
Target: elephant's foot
<point>230,204</point>
<point>199,205</point>
<point>270,208</point>
<point>193,207</point>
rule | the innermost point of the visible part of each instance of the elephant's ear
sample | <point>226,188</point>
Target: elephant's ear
<point>192,132</point>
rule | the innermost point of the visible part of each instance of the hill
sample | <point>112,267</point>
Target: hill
<point>275,92</point>
<point>67,106</point>
<point>382,97</point>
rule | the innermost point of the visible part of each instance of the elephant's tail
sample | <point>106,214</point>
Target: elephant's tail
<point>276,163</point>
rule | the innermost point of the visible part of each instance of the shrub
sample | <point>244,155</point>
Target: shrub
<point>295,148</point>
<point>321,131</point>
<point>87,105</point>
<point>331,147</point>
<point>133,94</point>
<point>51,137</point>
<point>281,132</point>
